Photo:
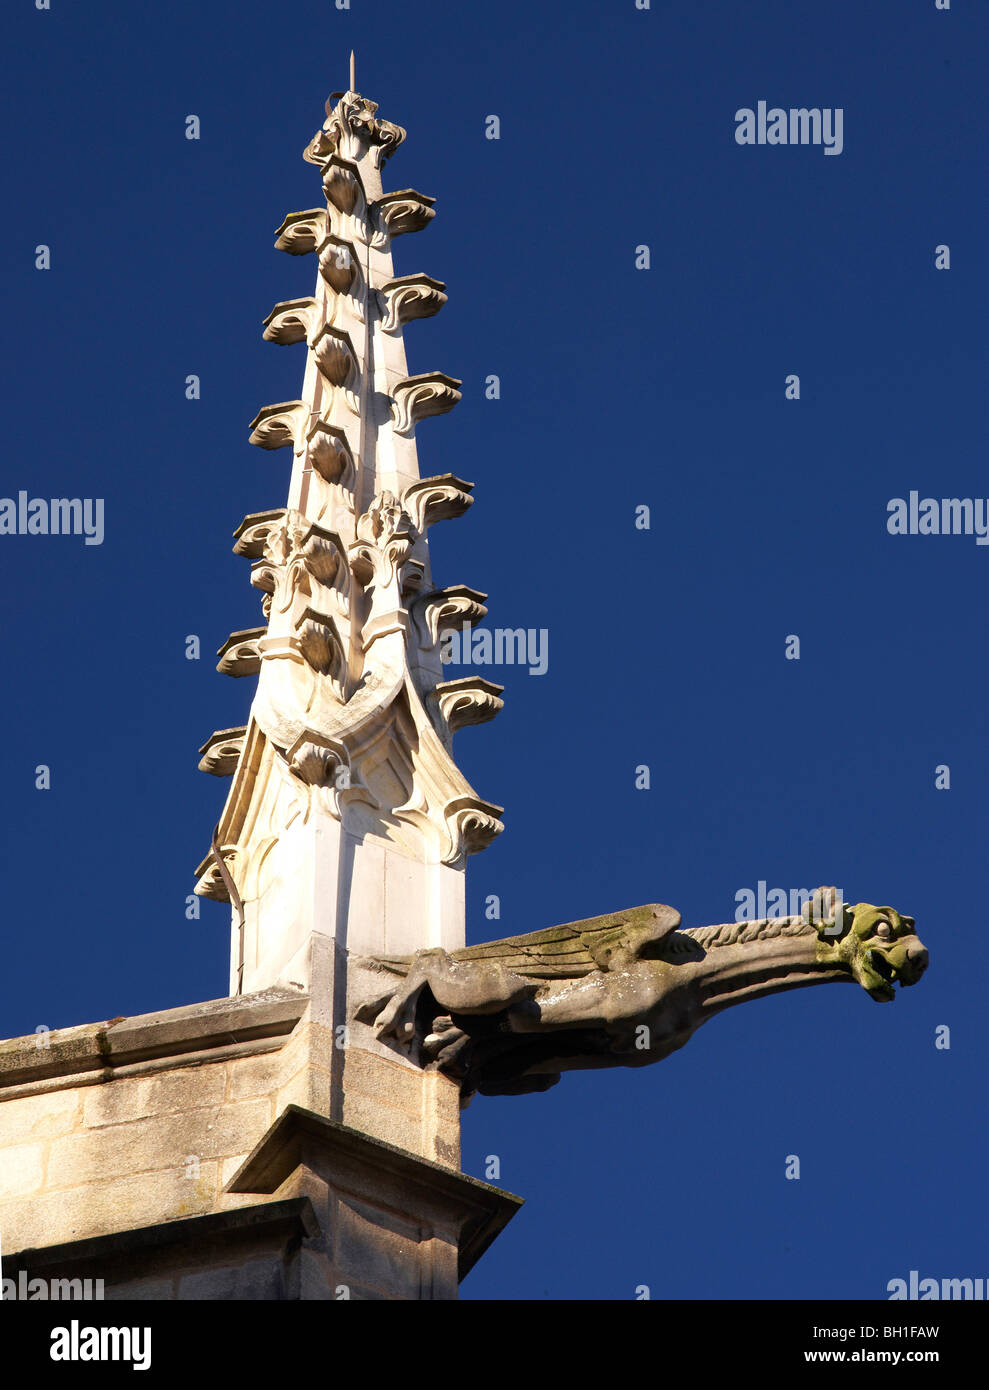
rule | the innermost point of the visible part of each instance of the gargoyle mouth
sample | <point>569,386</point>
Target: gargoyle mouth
<point>876,974</point>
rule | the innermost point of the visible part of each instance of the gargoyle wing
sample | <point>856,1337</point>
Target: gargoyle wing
<point>489,977</point>
<point>577,948</point>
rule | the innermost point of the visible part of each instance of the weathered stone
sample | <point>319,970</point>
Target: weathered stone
<point>134,1098</point>
<point>156,1143</point>
<point>252,1077</point>
<point>39,1117</point>
<point>264,1014</point>
<point>397,1226</point>
<point>22,1170</point>
<point>381,1246</point>
<point>196,1033</point>
<point>107,1205</point>
<point>260,1278</point>
<point>250,1253</point>
<point>54,1054</point>
<point>143,1291</point>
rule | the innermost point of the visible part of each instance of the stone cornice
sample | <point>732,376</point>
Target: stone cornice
<point>301,1139</point>
<point>147,1042</point>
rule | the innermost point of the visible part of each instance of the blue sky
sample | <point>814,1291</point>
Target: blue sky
<point>620,387</point>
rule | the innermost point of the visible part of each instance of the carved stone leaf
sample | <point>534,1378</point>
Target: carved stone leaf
<point>415,398</point>
<point>335,356</point>
<point>315,761</point>
<point>351,124</point>
<point>385,520</point>
<point>472,700</point>
<point>290,321</point>
<point>338,264</point>
<point>301,232</point>
<point>410,297</point>
<point>452,607</point>
<point>387,138</point>
<point>342,184</point>
<point>385,537</point>
<point>329,453</point>
<point>350,127</point>
<point>239,654</point>
<point>276,426</point>
<point>264,576</point>
<point>404,211</point>
<point>320,644</point>
<point>210,881</point>
<point>221,751</point>
<point>320,147</point>
<point>322,554</point>
<point>437,499</point>
<point>252,534</point>
<point>472,825</point>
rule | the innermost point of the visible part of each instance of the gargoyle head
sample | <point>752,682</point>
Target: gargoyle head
<point>878,944</point>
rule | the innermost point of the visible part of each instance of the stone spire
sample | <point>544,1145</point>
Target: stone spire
<point>347,824</point>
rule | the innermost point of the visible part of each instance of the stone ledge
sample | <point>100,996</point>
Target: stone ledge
<point>111,1257</point>
<point>199,1032</point>
<point>300,1138</point>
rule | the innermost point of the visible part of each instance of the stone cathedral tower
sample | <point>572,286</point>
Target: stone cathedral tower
<point>267,1145</point>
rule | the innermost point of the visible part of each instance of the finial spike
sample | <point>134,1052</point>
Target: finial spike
<point>353,72</point>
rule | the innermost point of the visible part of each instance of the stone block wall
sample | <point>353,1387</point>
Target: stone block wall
<point>114,1126</point>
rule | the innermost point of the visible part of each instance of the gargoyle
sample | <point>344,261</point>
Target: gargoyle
<point>507,1017</point>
